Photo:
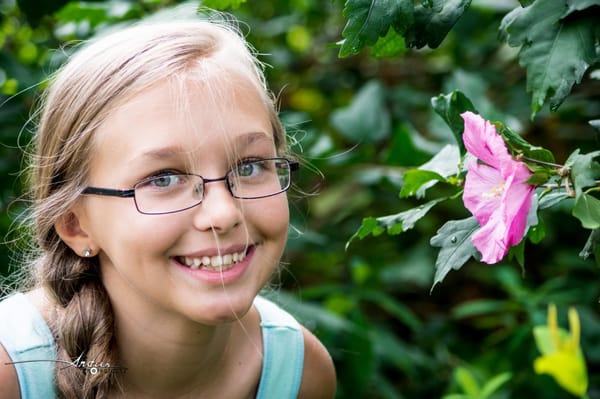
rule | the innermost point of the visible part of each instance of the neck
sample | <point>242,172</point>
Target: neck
<point>169,356</point>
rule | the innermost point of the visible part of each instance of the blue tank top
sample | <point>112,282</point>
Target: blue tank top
<point>30,345</point>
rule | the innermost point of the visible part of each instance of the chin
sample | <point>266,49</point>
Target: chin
<point>223,312</point>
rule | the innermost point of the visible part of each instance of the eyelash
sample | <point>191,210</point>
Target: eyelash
<point>166,172</point>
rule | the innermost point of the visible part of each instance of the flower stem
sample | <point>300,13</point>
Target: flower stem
<point>555,165</point>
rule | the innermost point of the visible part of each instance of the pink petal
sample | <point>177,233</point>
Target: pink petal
<point>490,239</point>
<point>481,140</point>
<point>518,199</point>
<point>480,183</point>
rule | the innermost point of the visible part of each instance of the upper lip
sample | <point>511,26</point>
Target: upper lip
<point>219,251</point>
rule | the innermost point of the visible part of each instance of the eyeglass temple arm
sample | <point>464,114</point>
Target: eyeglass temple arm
<point>294,165</point>
<point>109,192</point>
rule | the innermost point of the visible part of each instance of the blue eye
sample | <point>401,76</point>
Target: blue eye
<point>247,169</point>
<point>163,181</point>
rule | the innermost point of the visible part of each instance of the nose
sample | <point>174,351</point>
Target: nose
<point>219,210</point>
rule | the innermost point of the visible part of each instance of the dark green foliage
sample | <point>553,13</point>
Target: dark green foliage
<point>557,47</point>
<point>368,125</point>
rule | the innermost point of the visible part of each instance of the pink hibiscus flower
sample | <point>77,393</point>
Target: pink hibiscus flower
<point>496,190</point>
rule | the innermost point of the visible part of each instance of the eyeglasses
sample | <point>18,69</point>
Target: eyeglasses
<point>175,192</point>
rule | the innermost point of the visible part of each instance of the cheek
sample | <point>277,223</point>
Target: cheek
<point>272,217</point>
<point>124,234</point>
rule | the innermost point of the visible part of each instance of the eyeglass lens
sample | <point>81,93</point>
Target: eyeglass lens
<point>173,192</point>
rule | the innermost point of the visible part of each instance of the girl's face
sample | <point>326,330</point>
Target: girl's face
<point>140,255</point>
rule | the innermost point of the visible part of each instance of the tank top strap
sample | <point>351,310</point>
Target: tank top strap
<point>30,345</point>
<point>283,352</point>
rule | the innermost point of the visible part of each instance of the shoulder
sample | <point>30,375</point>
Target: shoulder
<point>318,378</point>
<point>9,383</point>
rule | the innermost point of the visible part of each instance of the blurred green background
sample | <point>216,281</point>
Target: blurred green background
<point>359,122</point>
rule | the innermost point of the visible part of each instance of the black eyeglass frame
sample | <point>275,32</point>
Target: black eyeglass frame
<point>130,193</point>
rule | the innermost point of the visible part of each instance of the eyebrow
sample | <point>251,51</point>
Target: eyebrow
<point>175,151</point>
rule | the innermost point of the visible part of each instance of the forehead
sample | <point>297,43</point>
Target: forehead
<point>185,117</point>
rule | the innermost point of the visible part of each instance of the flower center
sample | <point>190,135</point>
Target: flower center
<point>495,191</point>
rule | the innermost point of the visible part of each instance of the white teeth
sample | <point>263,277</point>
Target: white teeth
<point>214,262</point>
<point>197,263</point>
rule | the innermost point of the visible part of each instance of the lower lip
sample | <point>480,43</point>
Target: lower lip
<point>219,277</point>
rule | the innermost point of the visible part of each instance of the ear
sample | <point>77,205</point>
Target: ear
<point>72,231</point>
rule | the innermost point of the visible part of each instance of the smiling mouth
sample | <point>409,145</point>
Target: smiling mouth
<point>214,263</point>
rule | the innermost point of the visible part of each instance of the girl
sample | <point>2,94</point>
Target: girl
<point>159,181</point>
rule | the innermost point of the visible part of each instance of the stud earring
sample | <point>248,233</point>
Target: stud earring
<point>87,253</point>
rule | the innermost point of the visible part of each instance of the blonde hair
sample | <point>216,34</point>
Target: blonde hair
<point>100,76</point>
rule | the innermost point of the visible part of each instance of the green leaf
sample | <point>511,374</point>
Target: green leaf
<point>518,252</point>
<point>406,220</point>
<point>223,4</point>
<point>414,179</point>
<point>466,380</point>
<point>454,239</point>
<point>579,5</point>
<point>449,107</point>
<point>393,224</point>
<point>555,52</point>
<point>587,210</point>
<point>479,307</point>
<point>366,118</point>
<point>368,20</point>
<point>390,45</point>
<point>494,384</point>
<point>584,170</point>
<point>434,21</point>
<point>445,163</point>
<point>394,307</point>
<point>540,176</point>
<point>518,145</point>
<point>537,233</point>
<point>591,245</point>
<point>552,198</point>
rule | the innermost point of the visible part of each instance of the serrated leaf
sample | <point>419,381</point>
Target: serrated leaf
<point>584,170</point>
<point>587,210</point>
<point>591,245</point>
<point>518,144</point>
<point>414,179</point>
<point>449,107</point>
<point>555,52</point>
<point>368,20</point>
<point>403,221</point>
<point>454,239</point>
<point>393,224</point>
<point>433,22</point>
<point>445,163</point>
<point>552,198</point>
<point>223,4</point>
<point>390,45</point>
<point>366,118</point>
